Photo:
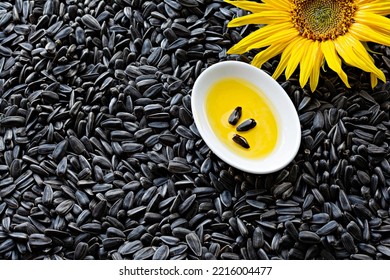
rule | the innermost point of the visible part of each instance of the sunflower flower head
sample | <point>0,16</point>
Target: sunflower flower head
<point>309,32</point>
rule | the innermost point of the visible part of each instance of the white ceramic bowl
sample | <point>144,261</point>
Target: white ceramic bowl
<point>289,129</point>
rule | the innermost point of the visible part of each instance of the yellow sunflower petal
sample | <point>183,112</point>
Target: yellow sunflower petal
<point>249,6</point>
<point>278,37</point>
<point>347,47</point>
<point>258,35</point>
<point>278,4</point>
<point>296,57</point>
<point>268,53</point>
<point>266,17</point>
<point>307,62</point>
<point>373,20</point>
<point>362,53</point>
<point>285,57</point>
<point>281,66</point>
<point>373,79</point>
<point>333,60</point>
<point>380,8</point>
<point>346,52</point>
<point>369,2</point>
<point>315,73</point>
<point>366,33</point>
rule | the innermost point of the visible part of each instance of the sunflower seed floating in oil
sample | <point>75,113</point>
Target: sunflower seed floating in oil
<point>241,141</point>
<point>246,125</point>
<point>235,115</point>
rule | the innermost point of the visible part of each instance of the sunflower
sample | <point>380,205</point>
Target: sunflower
<point>309,32</point>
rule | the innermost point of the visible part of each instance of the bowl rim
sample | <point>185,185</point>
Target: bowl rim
<point>216,146</point>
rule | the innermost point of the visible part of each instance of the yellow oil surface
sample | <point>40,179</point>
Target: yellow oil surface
<point>223,97</point>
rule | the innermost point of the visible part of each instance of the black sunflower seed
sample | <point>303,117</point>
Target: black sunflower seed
<point>12,121</point>
<point>64,207</point>
<point>161,253</point>
<point>246,125</point>
<point>384,250</point>
<point>130,247</point>
<point>235,116</point>
<point>348,242</point>
<point>144,253</point>
<point>7,245</point>
<point>308,237</point>
<point>328,228</point>
<point>81,251</point>
<point>39,240</point>
<point>241,141</point>
<point>91,22</point>
<point>194,243</point>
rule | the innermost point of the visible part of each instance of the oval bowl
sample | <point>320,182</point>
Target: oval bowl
<point>289,129</point>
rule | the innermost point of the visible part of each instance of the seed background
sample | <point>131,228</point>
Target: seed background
<point>100,158</point>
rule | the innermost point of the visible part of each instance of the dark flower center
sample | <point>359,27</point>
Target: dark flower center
<point>322,19</point>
